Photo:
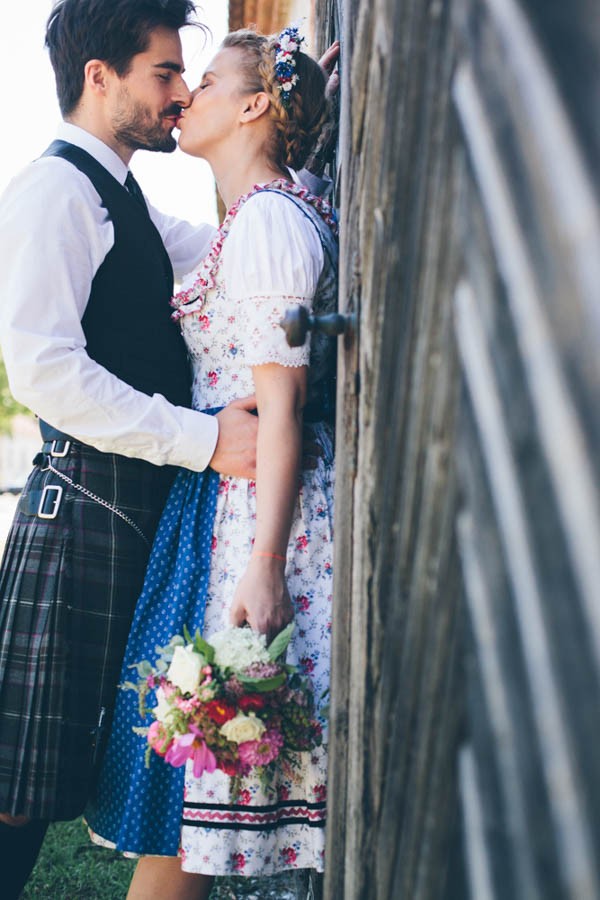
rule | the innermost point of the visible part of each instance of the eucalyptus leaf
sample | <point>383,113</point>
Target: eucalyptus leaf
<point>141,730</point>
<point>143,668</point>
<point>279,644</point>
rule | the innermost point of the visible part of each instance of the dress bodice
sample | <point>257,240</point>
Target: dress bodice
<point>277,253</point>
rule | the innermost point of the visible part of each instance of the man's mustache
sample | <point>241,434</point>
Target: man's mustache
<point>172,111</point>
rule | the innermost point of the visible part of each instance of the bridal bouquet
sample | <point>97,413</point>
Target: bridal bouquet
<point>231,704</point>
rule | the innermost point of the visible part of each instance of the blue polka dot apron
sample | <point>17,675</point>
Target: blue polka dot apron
<point>138,808</point>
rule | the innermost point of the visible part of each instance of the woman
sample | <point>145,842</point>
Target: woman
<point>266,556</point>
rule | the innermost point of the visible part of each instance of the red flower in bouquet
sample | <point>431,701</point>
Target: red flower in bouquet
<point>230,704</point>
<point>228,766</point>
<point>251,703</point>
<point>220,711</point>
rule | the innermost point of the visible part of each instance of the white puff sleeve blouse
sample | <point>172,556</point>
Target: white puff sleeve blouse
<point>272,261</point>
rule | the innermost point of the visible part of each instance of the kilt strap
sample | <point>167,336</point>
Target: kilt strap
<point>45,503</point>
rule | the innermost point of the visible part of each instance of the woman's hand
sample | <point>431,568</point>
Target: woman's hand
<point>262,599</point>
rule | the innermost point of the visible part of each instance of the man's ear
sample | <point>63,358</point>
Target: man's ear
<point>256,105</point>
<point>96,76</point>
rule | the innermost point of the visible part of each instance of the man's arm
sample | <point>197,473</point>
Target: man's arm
<point>313,173</point>
<point>185,243</point>
<point>55,234</point>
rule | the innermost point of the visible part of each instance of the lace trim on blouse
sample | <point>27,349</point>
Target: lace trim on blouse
<point>265,339</point>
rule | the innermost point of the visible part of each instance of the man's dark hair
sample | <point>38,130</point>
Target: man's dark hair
<point>111,30</point>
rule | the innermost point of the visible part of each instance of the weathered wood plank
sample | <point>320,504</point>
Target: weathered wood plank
<point>460,166</point>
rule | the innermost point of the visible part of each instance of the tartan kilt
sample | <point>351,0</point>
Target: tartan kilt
<point>68,589</point>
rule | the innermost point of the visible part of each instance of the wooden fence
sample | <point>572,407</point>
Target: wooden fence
<point>465,710</point>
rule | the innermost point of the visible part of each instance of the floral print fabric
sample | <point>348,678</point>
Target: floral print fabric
<point>280,826</point>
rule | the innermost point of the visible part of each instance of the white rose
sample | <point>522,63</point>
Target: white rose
<point>287,86</point>
<point>185,668</point>
<point>163,708</point>
<point>243,728</point>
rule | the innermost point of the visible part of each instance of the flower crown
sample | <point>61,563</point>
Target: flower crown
<point>286,48</point>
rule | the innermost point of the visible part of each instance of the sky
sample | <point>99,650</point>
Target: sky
<point>177,184</point>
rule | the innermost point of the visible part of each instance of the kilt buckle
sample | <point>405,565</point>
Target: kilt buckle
<point>50,501</point>
<point>60,448</point>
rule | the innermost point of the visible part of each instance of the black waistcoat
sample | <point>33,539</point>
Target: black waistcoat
<point>127,322</point>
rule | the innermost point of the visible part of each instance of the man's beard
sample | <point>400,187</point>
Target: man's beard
<point>133,127</point>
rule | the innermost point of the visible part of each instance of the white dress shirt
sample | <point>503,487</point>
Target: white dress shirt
<point>54,236</point>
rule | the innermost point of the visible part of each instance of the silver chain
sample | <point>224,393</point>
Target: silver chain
<point>105,503</point>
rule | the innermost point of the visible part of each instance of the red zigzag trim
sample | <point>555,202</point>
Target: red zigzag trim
<point>206,815</point>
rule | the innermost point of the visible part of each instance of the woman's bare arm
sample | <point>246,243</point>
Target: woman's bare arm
<point>262,598</point>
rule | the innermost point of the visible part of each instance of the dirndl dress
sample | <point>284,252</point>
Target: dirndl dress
<point>202,547</point>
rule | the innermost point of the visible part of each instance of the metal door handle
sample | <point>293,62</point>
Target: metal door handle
<point>298,322</point>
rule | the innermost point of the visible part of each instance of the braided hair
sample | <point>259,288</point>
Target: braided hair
<point>298,124</point>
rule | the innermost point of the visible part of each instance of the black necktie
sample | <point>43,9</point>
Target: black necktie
<point>135,190</point>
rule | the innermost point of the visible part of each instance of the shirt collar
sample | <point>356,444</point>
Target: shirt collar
<point>101,152</point>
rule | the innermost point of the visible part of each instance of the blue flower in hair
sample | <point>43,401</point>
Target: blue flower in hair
<point>286,48</point>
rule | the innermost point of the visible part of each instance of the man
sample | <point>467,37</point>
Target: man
<point>89,347</point>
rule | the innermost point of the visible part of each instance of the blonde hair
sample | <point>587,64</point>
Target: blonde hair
<point>296,126</point>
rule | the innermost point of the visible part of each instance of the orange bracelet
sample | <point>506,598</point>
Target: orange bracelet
<point>269,555</point>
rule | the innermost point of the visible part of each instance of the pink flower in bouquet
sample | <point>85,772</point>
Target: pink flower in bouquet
<point>157,737</point>
<point>262,670</point>
<point>191,746</point>
<point>234,686</point>
<point>186,706</point>
<point>263,751</point>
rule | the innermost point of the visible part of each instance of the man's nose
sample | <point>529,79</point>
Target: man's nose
<point>182,95</point>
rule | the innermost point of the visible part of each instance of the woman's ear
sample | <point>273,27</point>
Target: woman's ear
<point>255,106</point>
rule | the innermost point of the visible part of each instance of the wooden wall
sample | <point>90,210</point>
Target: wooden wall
<point>270,16</point>
<point>465,707</point>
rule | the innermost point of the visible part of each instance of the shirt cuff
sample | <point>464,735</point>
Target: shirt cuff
<point>197,442</point>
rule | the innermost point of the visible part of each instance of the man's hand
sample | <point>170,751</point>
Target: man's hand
<point>235,453</point>
<point>329,60</point>
<point>327,142</point>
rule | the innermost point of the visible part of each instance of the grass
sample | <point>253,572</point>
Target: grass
<point>70,867</point>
